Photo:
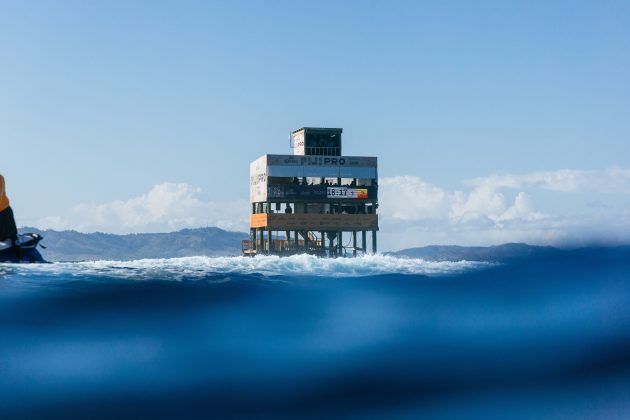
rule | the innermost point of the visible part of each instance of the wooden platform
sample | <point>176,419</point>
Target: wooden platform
<point>315,222</point>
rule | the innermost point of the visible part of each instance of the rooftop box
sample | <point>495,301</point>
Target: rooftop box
<point>316,141</point>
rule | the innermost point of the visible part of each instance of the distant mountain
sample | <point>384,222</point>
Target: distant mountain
<point>70,245</point>
<point>75,246</point>
<point>499,253</point>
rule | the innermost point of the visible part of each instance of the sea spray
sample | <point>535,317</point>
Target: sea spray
<point>297,265</point>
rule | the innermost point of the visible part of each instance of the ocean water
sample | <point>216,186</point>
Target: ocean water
<point>372,337</point>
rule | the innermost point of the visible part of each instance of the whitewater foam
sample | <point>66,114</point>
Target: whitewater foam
<point>199,267</point>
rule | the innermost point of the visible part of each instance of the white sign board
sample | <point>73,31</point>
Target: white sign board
<point>299,143</point>
<point>345,192</point>
<point>332,161</point>
<point>258,180</point>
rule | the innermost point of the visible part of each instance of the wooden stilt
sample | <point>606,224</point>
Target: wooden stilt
<point>323,242</point>
<point>364,241</point>
<point>373,242</point>
<point>340,244</point>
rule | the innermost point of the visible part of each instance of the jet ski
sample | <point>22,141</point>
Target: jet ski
<point>24,250</point>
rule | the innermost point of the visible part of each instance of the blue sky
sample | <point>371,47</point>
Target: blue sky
<point>109,111</point>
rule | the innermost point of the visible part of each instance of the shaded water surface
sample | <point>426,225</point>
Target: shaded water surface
<point>370,337</point>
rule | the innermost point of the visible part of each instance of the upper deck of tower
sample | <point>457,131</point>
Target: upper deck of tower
<point>275,177</point>
<point>316,171</point>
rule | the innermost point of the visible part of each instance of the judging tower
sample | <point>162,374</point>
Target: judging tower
<point>315,201</point>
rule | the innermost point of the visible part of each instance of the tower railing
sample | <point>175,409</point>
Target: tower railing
<point>323,151</point>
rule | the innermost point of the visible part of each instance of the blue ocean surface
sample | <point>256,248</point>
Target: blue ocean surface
<point>372,337</point>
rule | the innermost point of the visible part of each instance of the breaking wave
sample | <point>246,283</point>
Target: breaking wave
<point>297,265</point>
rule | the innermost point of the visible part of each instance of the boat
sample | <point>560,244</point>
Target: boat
<point>23,251</point>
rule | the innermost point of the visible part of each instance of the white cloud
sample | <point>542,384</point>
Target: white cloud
<point>609,181</point>
<point>166,207</point>
<point>409,198</point>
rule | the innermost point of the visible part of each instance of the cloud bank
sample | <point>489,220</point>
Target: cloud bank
<point>165,208</point>
<point>490,210</point>
<point>610,181</point>
<point>505,208</point>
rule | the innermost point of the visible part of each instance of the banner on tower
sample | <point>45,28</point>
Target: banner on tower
<point>345,192</point>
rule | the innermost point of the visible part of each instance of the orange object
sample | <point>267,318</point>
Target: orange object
<point>362,193</point>
<point>4,200</point>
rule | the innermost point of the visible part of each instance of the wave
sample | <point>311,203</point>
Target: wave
<point>466,342</point>
<point>297,265</point>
